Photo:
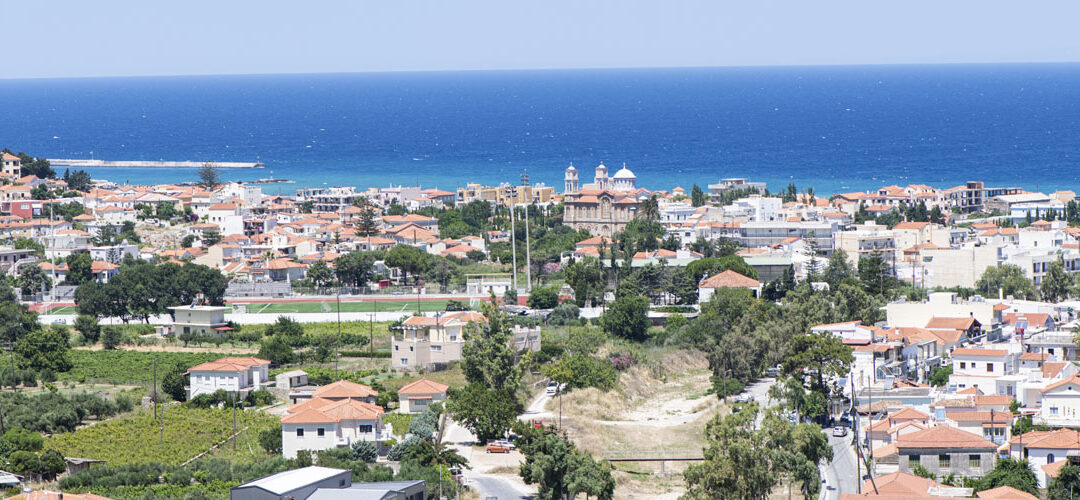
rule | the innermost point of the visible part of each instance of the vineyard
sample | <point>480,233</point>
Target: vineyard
<point>188,432</point>
<point>128,367</point>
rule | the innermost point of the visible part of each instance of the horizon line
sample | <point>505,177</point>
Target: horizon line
<point>546,69</point>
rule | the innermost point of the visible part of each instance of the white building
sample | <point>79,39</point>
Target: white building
<point>198,320</point>
<point>322,424</point>
<point>980,368</point>
<point>232,374</point>
<point>420,395</point>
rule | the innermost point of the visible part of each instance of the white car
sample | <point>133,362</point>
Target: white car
<point>839,431</point>
<point>552,389</point>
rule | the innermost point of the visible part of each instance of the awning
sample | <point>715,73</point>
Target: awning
<point>223,328</point>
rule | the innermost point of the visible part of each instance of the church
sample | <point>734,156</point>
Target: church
<point>603,207</point>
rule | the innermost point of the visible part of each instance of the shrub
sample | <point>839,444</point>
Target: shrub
<point>564,314</point>
<point>365,451</point>
<point>403,448</point>
<point>543,298</point>
<point>270,439</point>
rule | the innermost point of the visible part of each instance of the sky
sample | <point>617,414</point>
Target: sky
<point>76,38</point>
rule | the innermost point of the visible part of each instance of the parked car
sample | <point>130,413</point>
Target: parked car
<point>496,447</point>
<point>538,423</point>
<point>552,389</point>
<point>839,431</point>
<point>507,443</point>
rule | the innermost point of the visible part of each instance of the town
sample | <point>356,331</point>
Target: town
<point>606,340</point>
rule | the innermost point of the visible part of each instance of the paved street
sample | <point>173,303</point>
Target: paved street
<point>840,476</point>
<point>490,486</point>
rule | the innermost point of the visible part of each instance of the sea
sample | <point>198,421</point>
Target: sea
<point>836,129</point>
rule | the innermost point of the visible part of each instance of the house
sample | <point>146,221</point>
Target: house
<point>726,279</point>
<point>1045,448</point>
<point>417,396</point>
<point>430,341</point>
<point>322,424</point>
<point>944,450</point>
<point>232,374</point>
<point>975,367</point>
<point>10,165</point>
<point>196,320</point>
<point>323,483</point>
<point>1061,403</point>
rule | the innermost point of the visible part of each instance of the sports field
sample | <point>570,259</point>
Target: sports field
<point>329,306</point>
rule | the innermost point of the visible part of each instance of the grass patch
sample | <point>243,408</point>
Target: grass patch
<point>128,367</point>
<point>187,432</point>
<point>400,421</point>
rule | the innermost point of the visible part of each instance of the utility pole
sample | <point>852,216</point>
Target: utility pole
<point>855,431</point>
<point>153,393</point>
<point>528,258</point>
<point>338,339</point>
<point>513,242</point>
<point>236,396</point>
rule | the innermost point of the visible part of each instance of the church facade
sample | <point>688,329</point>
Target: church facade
<point>602,207</point>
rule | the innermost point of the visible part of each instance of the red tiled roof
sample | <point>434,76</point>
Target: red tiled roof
<point>729,279</point>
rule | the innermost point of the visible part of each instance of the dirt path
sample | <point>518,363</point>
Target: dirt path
<point>176,348</point>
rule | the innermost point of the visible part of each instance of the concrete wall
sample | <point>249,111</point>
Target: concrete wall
<point>959,462</point>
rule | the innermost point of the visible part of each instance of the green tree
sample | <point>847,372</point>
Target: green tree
<point>740,463</point>
<point>1056,283</point>
<point>703,268</point>
<point>485,411</point>
<point>487,357</point>
<point>211,237</point>
<point>276,350</point>
<point>545,297</point>
<point>697,196</point>
<point>1008,278</point>
<point>30,244</point>
<point>89,328</point>
<point>628,318</point>
<point>838,270</point>
<point>44,349</point>
<point>24,463</point>
<point>823,355</point>
<point>1011,472</point>
<point>366,222</point>
<point>1065,485</point>
<point>409,259</point>
<point>110,337</point>
<point>79,269</point>
<point>319,274</point>
<point>585,276</point>
<point>940,375</point>
<point>32,279</point>
<point>172,383</point>
<point>38,167</point>
<point>364,451</point>
<point>79,180</point>
<point>209,176</point>
<point>24,440</point>
<point>270,439</point>
<point>548,462</point>
<point>875,275</point>
<point>354,268</point>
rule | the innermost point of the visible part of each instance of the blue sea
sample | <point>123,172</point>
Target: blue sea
<point>833,128</point>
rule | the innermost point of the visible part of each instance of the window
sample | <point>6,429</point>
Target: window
<point>1054,410</point>
<point>299,433</point>
<point>963,365</point>
<point>397,347</point>
<point>404,361</point>
<point>989,367</point>
<point>974,461</point>
<point>943,461</point>
<point>320,432</point>
<point>914,460</point>
<point>1049,458</point>
<point>436,348</point>
<point>363,428</point>
<point>410,348</point>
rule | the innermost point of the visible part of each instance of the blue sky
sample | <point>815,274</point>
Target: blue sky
<point>123,38</point>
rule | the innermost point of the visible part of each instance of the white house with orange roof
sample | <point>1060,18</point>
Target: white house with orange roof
<point>344,389</point>
<point>726,279</point>
<point>10,165</point>
<point>1044,448</point>
<point>235,375</point>
<point>1060,404</point>
<point>323,424</point>
<point>418,396</point>
<point>430,341</point>
<point>228,217</point>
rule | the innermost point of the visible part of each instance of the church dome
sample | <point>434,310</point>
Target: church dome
<point>624,173</point>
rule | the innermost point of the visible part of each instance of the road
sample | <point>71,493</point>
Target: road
<point>840,476</point>
<point>488,486</point>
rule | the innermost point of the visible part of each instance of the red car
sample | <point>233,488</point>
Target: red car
<point>497,447</point>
